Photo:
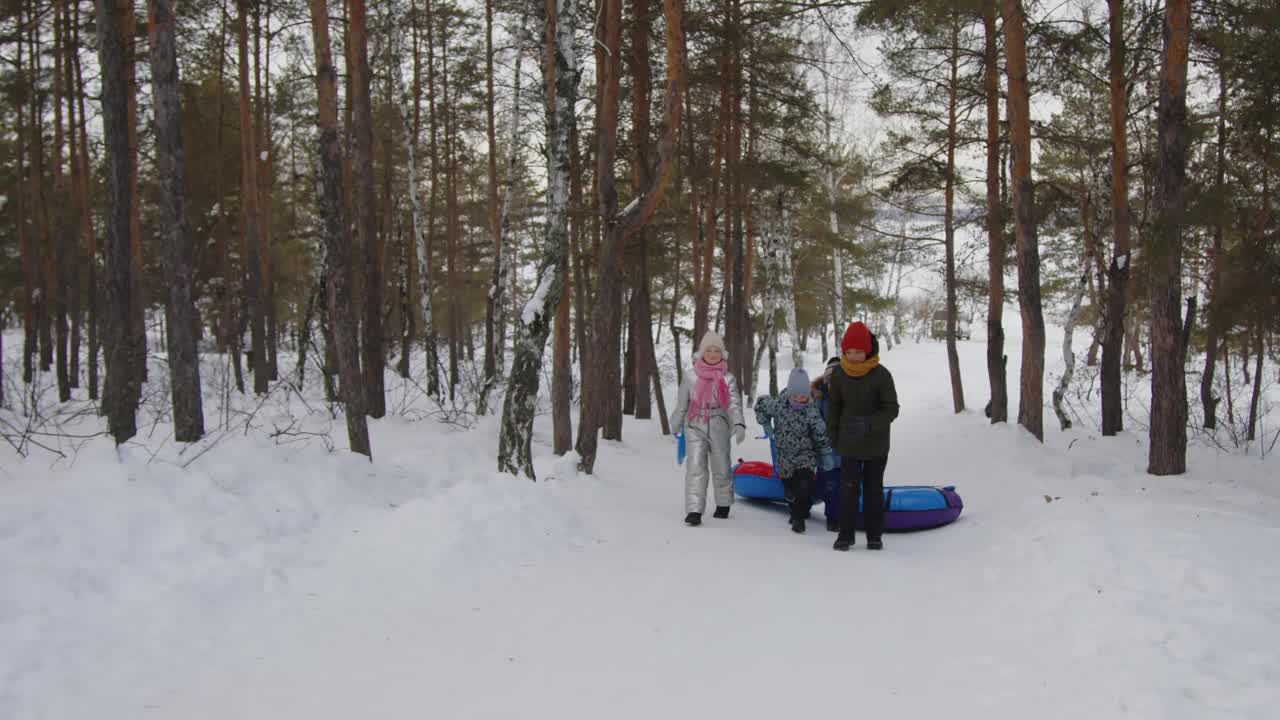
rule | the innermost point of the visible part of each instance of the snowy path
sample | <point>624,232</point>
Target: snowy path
<point>586,597</point>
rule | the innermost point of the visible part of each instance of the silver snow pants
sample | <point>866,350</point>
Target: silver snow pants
<point>707,458</point>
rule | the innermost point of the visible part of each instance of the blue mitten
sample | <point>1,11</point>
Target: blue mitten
<point>827,462</point>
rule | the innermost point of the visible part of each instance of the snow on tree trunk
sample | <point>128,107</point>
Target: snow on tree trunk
<point>514,453</point>
<point>1069,357</point>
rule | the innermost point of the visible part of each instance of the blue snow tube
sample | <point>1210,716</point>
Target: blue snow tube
<point>906,507</point>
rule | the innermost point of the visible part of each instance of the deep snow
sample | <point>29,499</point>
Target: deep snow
<point>270,580</point>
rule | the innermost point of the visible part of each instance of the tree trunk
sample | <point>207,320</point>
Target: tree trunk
<point>43,242</point>
<point>57,260</point>
<point>337,236</point>
<point>373,360</point>
<point>230,335</point>
<point>26,247</point>
<point>1259,352</point>
<point>1213,316</point>
<point>250,215</point>
<point>601,382</point>
<point>493,307</point>
<point>175,239</point>
<point>1069,357</point>
<point>1168,449</point>
<point>124,386</point>
<point>494,337</point>
<point>949,225</point>
<point>514,453</point>
<point>433,346</point>
<point>79,189</point>
<point>562,372</point>
<point>421,243</point>
<point>1031,397</point>
<point>999,404</point>
<point>139,314</point>
<point>1118,275</point>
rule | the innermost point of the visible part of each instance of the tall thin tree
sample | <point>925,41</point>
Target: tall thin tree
<point>250,216</point>
<point>337,235</point>
<point>1118,273</point>
<point>1031,396</point>
<point>373,359</point>
<point>534,324</point>
<point>999,403</point>
<point>124,386</point>
<point>1168,449</point>
<point>181,317</point>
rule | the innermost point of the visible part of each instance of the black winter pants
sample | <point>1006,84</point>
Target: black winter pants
<point>800,487</point>
<point>862,478</point>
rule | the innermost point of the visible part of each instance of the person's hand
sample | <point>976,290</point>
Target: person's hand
<point>740,433</point>
<point>677,429</point>
<point>827,462</point>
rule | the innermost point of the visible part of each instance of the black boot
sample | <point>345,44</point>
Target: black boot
<point>797,525</point>
<point>843,542</point>
<point>722,511</point>
<point>833,525</point>
<point>875,544</point>
<point>693,519</point>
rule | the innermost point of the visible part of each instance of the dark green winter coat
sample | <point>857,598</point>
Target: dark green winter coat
<point>872,398</point>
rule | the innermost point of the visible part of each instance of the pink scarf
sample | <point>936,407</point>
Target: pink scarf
<point>710,380</point>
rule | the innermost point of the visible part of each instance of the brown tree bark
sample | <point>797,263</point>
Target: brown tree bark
<point>1118,274</point>
<point>999,403</point>
<point>124,387</point>
<point>492,307</point>
<point>138,294</point>
<point>42,245</point>
<point>26,246</point>
<point>175,239</point>
<point>250,215</point>
<point>1168,449</point>
<point>337,236</point>
<point>949,225</point>
<point>78,200</point>
<point>433,355</point>
<point>1031,396</point>
<point>61,228</point>
<point>1213,316</point>
<point>373,357</point>
<point>601,381</point>
<point>266,178</point>
<point>452,220</point>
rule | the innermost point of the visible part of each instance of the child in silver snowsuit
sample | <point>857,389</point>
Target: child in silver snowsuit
<point>708,411</point>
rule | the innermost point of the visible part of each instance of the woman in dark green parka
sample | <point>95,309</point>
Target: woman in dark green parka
<point>863,404</point>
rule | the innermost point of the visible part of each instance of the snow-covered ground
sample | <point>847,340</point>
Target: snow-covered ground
<point>270,578</point>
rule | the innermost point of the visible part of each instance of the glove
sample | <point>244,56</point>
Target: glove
<point>677,429</point>
<point>855,428</point>
<point>740,433</point>
<point>827,462</point>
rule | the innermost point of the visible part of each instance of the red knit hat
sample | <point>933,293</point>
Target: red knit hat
<point>856,337</point>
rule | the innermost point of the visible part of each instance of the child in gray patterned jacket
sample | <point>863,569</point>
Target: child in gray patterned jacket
<point>799,436</point>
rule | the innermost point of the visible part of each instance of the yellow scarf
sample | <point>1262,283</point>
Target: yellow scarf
<point>859,369</point>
